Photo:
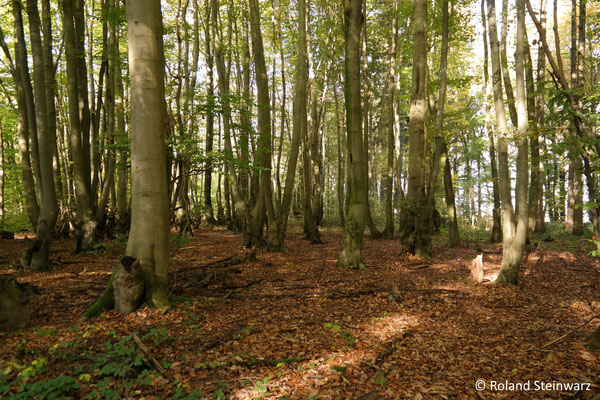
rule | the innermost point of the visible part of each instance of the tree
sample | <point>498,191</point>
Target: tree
<point>514,232</point>
<point>37,256</point>
<point>415,233</point>
<point>148,237</point>
<point>352,235</point>
<point>87,222</point>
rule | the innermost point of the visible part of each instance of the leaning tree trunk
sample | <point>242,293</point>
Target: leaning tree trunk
<point>352,234</point>
<point>38,256</point>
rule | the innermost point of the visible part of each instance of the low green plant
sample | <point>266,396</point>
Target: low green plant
<point>158,335</point>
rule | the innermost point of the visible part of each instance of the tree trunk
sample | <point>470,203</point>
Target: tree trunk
<point>148,237</point>
<point>38,256</point>
<point>415,235</point>
<point>539,116</point>
<point>264,128</point>
<point>388,232</point>
<point>514,237</point>
<point>510,98</point>
<point>239,203</point>
<point>427,213</point>
<point>208,207</point>
<point>453,232</point>
<point>352,234</point>
<point>27,126</point>
<point>86,222</point>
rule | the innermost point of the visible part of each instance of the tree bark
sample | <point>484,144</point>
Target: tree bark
<point>515,235</point>
<point>38,257</point>
<point>388,232</point>
<point>148,237</point>
<point>26,126</point>
<point>496,233</point>
<point>352,235</point>
<point>415,235</point>
<point>86,221</point>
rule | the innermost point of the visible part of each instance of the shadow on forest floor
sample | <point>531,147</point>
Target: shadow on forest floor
<point>294,326</point>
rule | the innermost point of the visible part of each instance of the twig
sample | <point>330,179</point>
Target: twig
<point>153,360</point>
<point>571,331</point>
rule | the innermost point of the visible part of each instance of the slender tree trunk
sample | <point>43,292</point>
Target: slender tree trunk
<point>86,222</point>
<point>366,113</point>
<point>510,98</point>
<point>239,203</point>
<point>539,116</point>
<point>208,207</point>
<point>496,234</point>
<point>414,235</point>
<point>426,218</point>
<point>534,141</point>
<point>340,160</point>
<point>38,257</point>
<point>453,232</point>
<point>389,179</point>
<point>264,129</point>
<point>27,124</point>
<point>515,238</point>
<point>352,234</point>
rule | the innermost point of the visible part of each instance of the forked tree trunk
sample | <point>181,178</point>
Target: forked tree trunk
<point>352,235</point>
<point>515,232</point>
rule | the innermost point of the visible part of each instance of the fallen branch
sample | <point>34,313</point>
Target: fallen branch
<point>571,331</point>
<point>150,357</point>
<point>223,262</point>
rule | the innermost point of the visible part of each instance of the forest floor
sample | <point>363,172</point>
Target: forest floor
<point>294,326</point>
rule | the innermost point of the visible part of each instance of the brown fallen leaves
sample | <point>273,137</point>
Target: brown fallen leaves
<point>295,326</point>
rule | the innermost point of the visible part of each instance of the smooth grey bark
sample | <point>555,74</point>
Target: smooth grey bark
<point>388,232</point>
<point>366,115</point>
<point>313,205</point>
<point>300,124</point>
<point>352,235</point>
<point>86,221</point>
<point>264,131</point>
<point>534,141</point>
<point>208,207</point>
<point>426,219</point>
<point>26,123</point>
<point>496,232</point>
<point>149,232</point>
<point>239,203</point>
<point>414,234</point>
<point>510,98</point>
<point>38,256</point>
<point>515,232</point>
